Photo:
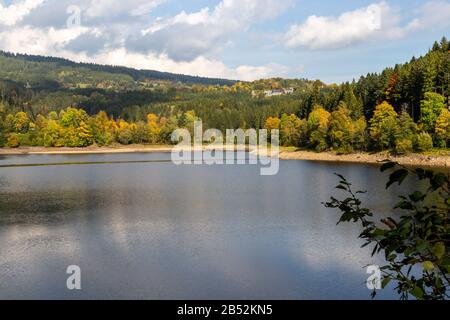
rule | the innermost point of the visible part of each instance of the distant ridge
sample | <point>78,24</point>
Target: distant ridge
<point>136,74</point>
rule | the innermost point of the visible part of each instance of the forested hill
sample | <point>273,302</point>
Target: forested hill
<point>52,63</point>
<point>60,103</point>
<point>38,85</point>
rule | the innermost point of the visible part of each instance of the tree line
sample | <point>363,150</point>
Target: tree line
<point>339,130</point>
<point>386,130</point>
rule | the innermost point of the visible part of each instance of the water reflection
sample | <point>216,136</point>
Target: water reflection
<point>156,230</point>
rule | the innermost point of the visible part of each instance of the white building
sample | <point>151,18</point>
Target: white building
<point>273,92</point>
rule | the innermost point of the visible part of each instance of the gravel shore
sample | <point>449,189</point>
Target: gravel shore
<point>424,160</point>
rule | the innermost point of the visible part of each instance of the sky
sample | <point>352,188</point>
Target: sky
<point>330,40</point>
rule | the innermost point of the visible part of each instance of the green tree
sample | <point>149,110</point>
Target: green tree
<point>103,129</point>
<point>2,132</point>
<point>168,125</point>
<point>418,238</point>
<point>383,126</point>
<point>124,132</point>
<point>8,123</point>
<point>21,122</point>
<point>188,119</point>
<point>318,123</point>
<point>442,129</point>
<point>84,135</point>
<point>360,134</point>
<point>72,117</point>
<point>424,142</point>
<point>290,130</point>
<point>13,140</point>
<point>352,102</point>
<point>53,135</point>
<point>303,133</point>
<point>406,134</point>
<point>141,133</point>
<point>341,130</point>
<point>431,108</point>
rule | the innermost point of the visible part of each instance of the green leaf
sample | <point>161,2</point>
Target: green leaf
<point>437,181</point>
<point>374,250</point>
<point>417,196</point>
<point>417,292</point>
<point>427,265</point>
<point>397,176</point>
<point>405,205</point>
<point>391,257</point>
<point>439,250</point>
<point>385,282</point>
<point>422,245</point>
<point>387,165</point>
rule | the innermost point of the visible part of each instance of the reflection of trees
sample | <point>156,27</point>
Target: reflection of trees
<point>2,183</point>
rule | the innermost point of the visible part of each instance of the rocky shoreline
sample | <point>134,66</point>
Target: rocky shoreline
<point>441,161</point>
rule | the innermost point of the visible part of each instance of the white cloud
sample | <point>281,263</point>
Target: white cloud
<point>330,32</point>
<point>431,14</point>
<point>105,43</point>
<point>15,12</point>
<point>127,13</point>
<point>376,21</point>
<point>186,36</point>
<point>200,66</point>
<point>54,42</point>
<point>98,8</point>
<point>38,41</point>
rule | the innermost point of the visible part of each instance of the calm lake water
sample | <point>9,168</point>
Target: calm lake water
<point>156,230</point>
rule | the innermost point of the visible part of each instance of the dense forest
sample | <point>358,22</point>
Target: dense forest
<point>56,102</point>
<point>61,64</point>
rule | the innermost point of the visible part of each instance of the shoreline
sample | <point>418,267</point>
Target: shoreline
<point>415,159</point>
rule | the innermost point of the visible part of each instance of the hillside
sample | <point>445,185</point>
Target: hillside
<point>39,69</point>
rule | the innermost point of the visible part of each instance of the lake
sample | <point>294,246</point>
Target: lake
<point>160,231</point>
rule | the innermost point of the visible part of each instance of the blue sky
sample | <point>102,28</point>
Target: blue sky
<point>241,39</point>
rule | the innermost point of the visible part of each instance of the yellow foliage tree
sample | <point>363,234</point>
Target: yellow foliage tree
<point>318,122</point>
<point>341,130</point>
<point>383,126</point>
<point>53,135</point>
<point>272,123</point>
<point>442,129</point>
<point>124,132</point>
<point>154,128</point>
<point>21,122</point>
